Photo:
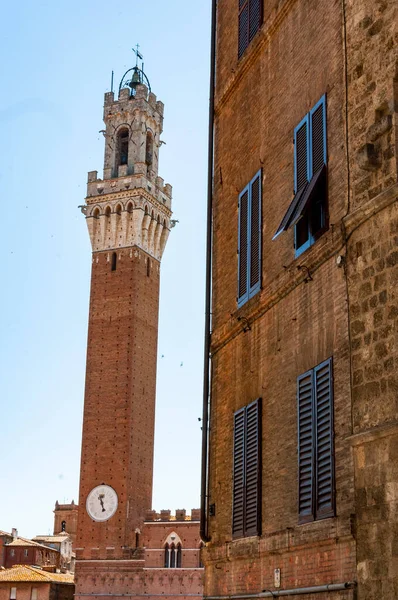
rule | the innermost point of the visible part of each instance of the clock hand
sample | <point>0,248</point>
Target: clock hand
<point>100,498</point>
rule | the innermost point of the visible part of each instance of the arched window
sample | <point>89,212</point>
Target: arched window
<point>179,556</point>
<point>63,526</point>
<point>172,556</point>
<point>123,147</point>
<point>149,150</point>
<point>148,268</point>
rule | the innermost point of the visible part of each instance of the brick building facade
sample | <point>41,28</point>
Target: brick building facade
<point>26,552</point>
<point>128,214</point>
<point>31,583</point>
<point>302,479</point>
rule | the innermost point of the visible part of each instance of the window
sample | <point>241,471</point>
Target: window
<point>149,151</point>
<point>63,526</point>
<point>12,552</point>
<point>26,553</point>
<point>250,19</point>
<point>13,593</point>
<point>33,595</point>
<point>123,147</point>
<point>246,509</point>
<point>315,443</point>
<point>249,240</point>
<point>173,556</point>
<point>308,209</point>
<point>113,268</point>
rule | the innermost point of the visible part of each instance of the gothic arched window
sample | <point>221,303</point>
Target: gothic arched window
<point>172,556</point>
<point>122,147</point>
<point>179,556</point>
<point>166,556</point>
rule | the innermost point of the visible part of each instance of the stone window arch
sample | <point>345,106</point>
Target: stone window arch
<point>173,552</point>
<point>122,147</point>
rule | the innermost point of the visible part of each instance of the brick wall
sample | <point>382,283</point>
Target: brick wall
<point>155,535</point>
<point>24,590</point>
<point>120,398</point>
<point>300,317</point>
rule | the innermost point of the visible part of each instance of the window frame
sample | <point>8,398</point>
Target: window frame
<point>250,290</point>
<point>310,174</point>
<point>13,593</point>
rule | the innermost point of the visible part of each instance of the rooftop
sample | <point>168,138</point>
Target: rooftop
<point>60,537</point>
<point>25,573</point>
<point>19,541</point>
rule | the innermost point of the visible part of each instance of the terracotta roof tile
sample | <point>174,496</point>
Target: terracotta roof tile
<point>19,541</point>
<point>25,573</point>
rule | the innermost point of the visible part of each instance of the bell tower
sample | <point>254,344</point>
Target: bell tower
<point>128,215</point>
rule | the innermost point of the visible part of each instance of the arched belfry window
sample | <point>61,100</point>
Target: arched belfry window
<point>149,150</point>
<point>123,147</point>
<point>173,552</point>
<point>63,526</point>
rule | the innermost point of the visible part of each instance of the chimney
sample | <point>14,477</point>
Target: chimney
<point>14,533</point>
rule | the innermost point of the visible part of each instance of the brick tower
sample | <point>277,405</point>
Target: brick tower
<point>128,216</point>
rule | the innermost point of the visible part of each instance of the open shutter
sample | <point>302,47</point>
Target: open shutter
<point>255,17</point>
<point>255,235</point>
<point>305,447</point>
<point>301,162</point>
<point>318,136</point>
<point>253,470</point>
<point>238,500</point>
<point>243,26</point>
<point>243,292</point>
<point>323,384</point>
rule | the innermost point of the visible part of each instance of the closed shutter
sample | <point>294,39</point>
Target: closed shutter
<point>255,236</point>
<point>238,501</point>
<point>255,17</point>
<point>243,41</point>
<point>318,136</point>
<point>324,496</point>
<point>301,170</point>
<point>243,247</point>
<point>253,470</point>
<point>305,447</point>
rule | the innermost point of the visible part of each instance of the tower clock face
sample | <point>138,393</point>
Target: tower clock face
<point>101,503</point>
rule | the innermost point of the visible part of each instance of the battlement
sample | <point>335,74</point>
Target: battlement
<point>180,515</point>
<point>124,96</point>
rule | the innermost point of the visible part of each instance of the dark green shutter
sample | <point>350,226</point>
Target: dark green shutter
<point>305,447</point>
<point>323,384</point>
<point>238,501</point>
<point>253,469</point>
<point>255,236</point>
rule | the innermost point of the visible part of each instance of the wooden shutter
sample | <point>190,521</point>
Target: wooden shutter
<point>255,235</point>
<point>323,384</point>
<point>318,136</point>
<point>255,17</point>
<point>243,292</point>
<point>253,469</point>
<point>306,473</point>
<point>243,41</point>
<point>301,163</point>
<point>238,500</point>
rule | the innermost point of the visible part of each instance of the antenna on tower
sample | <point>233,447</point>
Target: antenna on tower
<point>112,81</point>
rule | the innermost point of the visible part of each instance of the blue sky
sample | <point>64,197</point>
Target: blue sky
<point>57,63</point>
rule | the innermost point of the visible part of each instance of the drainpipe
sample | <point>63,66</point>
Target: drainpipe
<point>207,365</point>
<point>316,589</point>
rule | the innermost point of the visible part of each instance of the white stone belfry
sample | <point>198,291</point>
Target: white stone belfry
<point>131,205</point>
